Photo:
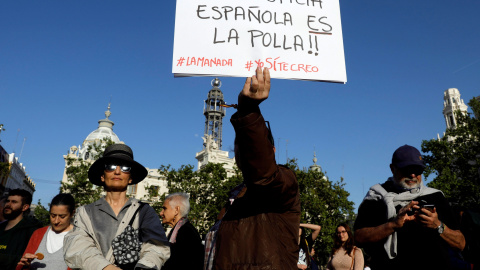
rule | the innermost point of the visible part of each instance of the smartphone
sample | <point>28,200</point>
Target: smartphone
<point>429,207</point>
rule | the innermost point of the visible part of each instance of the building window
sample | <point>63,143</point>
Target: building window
<point>132,189</point>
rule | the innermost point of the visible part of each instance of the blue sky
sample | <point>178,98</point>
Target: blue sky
<point>62,62</point>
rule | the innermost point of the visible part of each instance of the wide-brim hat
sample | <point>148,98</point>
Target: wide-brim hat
<point>122,154</point>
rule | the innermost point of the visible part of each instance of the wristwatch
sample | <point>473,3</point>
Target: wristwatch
<point>441,228</point>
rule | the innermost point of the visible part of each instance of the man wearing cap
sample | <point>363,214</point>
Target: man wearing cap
<point>402,224</point>
<point>89,245</point>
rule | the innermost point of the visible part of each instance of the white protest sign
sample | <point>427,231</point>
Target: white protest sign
<point>295,39</point>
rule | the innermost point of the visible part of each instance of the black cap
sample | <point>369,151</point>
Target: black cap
<point>406,156</point>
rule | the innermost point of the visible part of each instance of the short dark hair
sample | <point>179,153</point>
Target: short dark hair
<point>26,196</point>
<point>64,199</point>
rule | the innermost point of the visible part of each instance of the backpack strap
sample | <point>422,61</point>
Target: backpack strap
<point>135,214</point>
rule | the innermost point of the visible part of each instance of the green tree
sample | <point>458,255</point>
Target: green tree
<point>42,214</point>
<point>454,160</point>
<point>208,189</point>
<point>152,198</point>
<point>4,169</point>
<point>324,203</point>
<point>78,184</point>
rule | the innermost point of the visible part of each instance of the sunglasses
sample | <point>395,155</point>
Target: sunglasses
<point>409,170</point>
<point>113,167</point>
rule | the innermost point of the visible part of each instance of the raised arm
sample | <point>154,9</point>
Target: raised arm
<point>254,153</point>
<point>255,90</point>
<point>315,228</point>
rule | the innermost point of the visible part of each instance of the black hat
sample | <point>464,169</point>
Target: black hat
<point>406,156</point>
<point>117,153</point>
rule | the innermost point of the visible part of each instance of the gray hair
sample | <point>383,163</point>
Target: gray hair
<point>180,199</point>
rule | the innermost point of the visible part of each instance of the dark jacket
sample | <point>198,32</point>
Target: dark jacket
<point>260,228</point>
<point>14,241</point>
<point>187,251</point>
<point>412,239</point>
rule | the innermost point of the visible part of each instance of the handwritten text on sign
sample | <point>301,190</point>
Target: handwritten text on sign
<point>297,39</point>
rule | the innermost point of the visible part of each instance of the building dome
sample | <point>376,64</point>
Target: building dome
<point>104,131</point>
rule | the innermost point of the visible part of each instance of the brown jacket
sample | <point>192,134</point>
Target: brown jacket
<point>260,229</point>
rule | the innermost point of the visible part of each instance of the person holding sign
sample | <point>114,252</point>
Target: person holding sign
<point>258,228</point>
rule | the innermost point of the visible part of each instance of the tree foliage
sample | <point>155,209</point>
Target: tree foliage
<point>152,195</point>
<point>324,203</point>
<point>4,169</point>
<point>42,214</point>
<point>82,190</point>
<point>454,160</point>
<point>208,189</point>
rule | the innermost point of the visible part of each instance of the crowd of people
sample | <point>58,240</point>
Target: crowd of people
<point>401,224</point>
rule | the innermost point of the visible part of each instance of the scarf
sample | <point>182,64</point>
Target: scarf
<point>391,200</point>
<point>180,223</point>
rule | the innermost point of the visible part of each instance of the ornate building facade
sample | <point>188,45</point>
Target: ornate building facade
<point>211,152</point>
<point>86,152</point>
<point>18,177</point>
<point>452,103</point>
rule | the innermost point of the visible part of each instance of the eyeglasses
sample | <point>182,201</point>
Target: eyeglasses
<point>113,167</point>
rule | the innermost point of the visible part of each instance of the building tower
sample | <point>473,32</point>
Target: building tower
<point>452,103</point>
<point>214,113</point>
<point>212,138</point>
<point>315,167</point>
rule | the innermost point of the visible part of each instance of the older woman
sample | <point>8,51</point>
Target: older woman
<point>345,255</point>
<point>89,245</point>
<point>185,242</point>
<point>45,248</point>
